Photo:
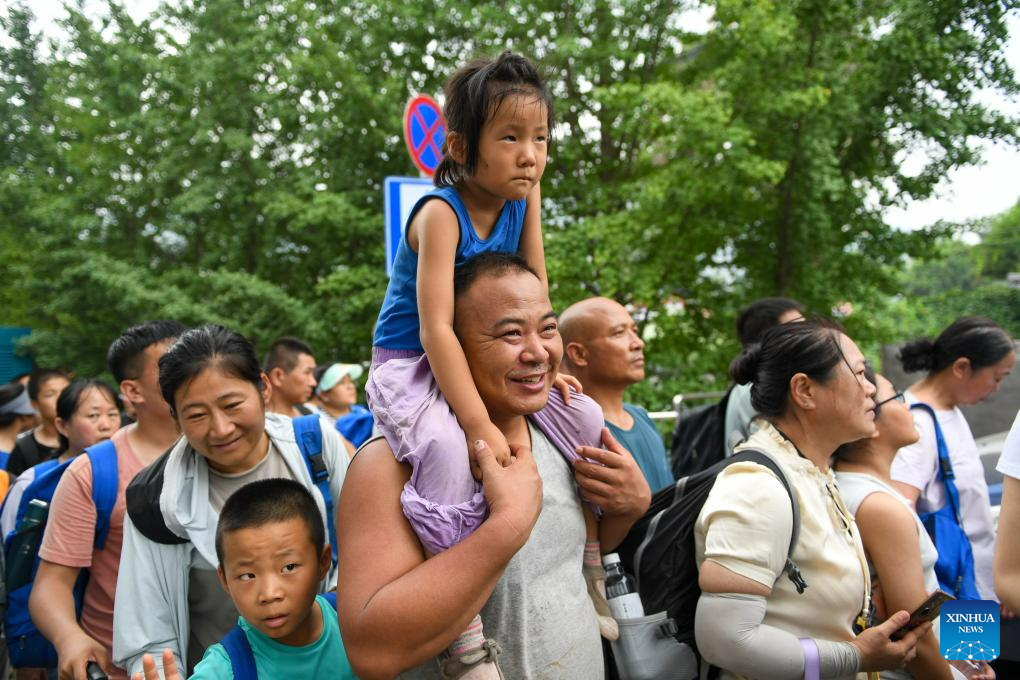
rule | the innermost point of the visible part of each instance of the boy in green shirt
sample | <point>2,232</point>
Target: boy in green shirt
<point>273,555</point>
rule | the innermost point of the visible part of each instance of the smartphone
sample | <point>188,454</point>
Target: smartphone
<point>94,672</point>
<point>928,610</point>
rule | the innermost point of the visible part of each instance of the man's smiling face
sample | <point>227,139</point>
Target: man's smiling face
<point>511,340</point>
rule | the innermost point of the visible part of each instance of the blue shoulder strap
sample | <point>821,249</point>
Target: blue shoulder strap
<point>103,457</point>
<point>308,432</point>
<point>238,648</point>
<point>242,658</point>
<point>946,474</point>
<point>42,487</point>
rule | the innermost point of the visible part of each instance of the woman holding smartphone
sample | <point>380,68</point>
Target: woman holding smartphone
<point>889,527</point>
<point>809,386</point>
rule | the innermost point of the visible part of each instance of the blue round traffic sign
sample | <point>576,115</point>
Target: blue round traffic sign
<point>424,132</point>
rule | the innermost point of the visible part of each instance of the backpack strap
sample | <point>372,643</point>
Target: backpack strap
<point>30,446</point>
<point>308,433</point>
<point>242,658</point>
<point>762,458</point>
<point>142,499</point>
<point>103,457</point>
<point>945,468</point>
<point>31,492</point>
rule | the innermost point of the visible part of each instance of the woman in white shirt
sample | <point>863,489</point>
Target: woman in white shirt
<point>888,526</point>
<point>964,365</point>
<point>808,385</point>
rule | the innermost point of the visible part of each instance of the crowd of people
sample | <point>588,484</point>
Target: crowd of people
<point>215,516</point>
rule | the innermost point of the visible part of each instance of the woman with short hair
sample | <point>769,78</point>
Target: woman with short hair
<point>168,590</point>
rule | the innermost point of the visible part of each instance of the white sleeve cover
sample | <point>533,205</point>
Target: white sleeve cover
<point>730,634</point>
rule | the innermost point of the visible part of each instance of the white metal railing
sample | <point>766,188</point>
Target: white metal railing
<point>679,403</point>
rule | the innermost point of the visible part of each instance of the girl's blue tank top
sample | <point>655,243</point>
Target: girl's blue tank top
<point>398,324</point>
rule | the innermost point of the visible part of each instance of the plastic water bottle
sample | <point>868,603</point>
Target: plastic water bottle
<point>25,543</point>
<point>624,601</point>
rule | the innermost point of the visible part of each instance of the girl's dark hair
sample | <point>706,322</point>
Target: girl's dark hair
<point>981,340</point>
<point>809,347</point>
<point>850,447</point>
<point>473,94</point>
<point>204,347</point>
<point>71,397</point>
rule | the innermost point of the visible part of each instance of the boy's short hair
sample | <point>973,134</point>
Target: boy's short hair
<point>270,500</point>
<point>40,376</point>
<point>284,353</point>
<point>761,315</point>
<point>125,356</point>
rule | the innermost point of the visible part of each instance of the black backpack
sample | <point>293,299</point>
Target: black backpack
<point>659,550</point>
<point>698,438</point>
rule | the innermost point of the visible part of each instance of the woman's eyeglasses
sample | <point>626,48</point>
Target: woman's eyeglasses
<point>896,397</point>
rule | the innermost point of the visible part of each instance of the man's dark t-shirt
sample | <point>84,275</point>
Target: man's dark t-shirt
<point>28,452</point>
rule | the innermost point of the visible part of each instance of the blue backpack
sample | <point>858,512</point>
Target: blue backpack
<point>26,645</point>
<point>955,565</point>
<point>356,426</point>
<point>308,433</point>
<point>242,658</point>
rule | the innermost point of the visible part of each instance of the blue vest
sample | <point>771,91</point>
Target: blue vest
<point>398,324</point>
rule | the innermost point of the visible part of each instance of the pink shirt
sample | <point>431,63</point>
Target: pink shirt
<point>70,534</point>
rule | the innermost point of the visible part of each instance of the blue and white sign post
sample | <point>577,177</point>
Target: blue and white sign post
<point>424,132</point>
<point>400,195</point>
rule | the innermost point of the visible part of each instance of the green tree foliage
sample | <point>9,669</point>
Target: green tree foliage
<point>103,295</point>
<point>963,279</point>
<point>223,160</point>
<point>999,251</point>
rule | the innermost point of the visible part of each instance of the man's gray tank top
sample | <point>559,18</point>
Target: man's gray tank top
<point>540,612</point>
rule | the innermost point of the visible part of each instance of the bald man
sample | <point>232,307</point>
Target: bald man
<point>602,349</point>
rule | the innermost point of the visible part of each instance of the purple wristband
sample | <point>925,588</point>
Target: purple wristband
<point>812,664</point>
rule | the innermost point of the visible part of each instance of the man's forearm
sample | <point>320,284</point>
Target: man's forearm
<point>52,603</point>
<point>614,528</point>
<point>414,618</point>
<point>1007,548</point>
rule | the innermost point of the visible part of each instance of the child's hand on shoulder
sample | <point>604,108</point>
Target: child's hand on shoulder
<point>491,435</point>
<point>563,382</point>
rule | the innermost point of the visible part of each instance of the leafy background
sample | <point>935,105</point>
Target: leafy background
<point>223,161</point>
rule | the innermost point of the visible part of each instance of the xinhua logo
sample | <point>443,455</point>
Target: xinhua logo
<point>969,630</point>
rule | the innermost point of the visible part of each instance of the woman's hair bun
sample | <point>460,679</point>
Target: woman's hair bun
<point>918,355</point>
<point>744,369</point>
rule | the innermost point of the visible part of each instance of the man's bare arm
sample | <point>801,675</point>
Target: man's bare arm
<point>396,608</point>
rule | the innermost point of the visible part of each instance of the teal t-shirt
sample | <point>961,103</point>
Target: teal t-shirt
<point>645,444</point>
<point>324,658</point>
